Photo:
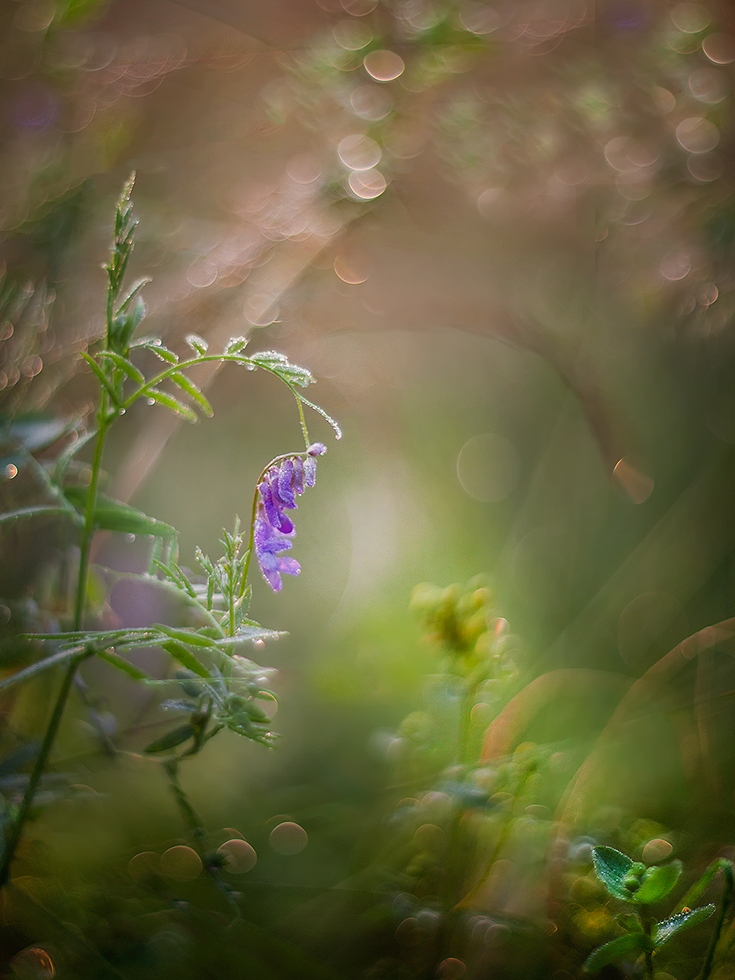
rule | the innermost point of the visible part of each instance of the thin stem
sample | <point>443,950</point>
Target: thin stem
<point>38,769</point>
<point>51,732</point>
<point>727,895</point>
<point>647,922</point>
<point>88,531</point>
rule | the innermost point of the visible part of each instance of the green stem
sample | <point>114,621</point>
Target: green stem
<point>727,895</point>
<point>647,922</point>
<point>88,531</point>
<point>38,768</point>
<point>52,729</point>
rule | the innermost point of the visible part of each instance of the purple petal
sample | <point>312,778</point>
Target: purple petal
<point>286,484</point>
<point>298,474</point>
<point>310,471</point>
<point>316,449</point>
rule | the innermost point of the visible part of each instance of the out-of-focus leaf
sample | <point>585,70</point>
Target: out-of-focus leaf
<point>631,944</point>
<point>122,664</point>
<point>670,927</point>
<point>170,740</point>
<point>185,657</point>
<point>112,515</point>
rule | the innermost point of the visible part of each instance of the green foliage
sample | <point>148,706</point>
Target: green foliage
<point>633,883</point>
<point>223,688</point>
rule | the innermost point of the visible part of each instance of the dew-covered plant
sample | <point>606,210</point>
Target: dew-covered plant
<point>215,683</point>
<point>639,887</point>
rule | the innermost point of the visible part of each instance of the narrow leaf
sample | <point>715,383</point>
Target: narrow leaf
<point>185,657</point>
<point>174,404</point>
<point>631,944</point>
<point>122,664</point>
<point>171,739</point>
<point>236,344</point>
<point>185,636</point>
<point>670,927</point>
<point>40,666</point>
<point>112,515</point>
<point>197,343</point>
<point>333,422</point>
<point>101,377</point>
<point>124,364</point>
<point>194,392</point>
<point>157,348</point>
<point>132,293</point>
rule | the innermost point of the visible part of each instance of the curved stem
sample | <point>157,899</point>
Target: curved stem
<point>727,895</point>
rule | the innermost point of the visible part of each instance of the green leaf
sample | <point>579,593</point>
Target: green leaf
<point>174,404</point>
<point>631,944</point>
<point>249,632</point>
<point>112,515</point>
<point>101,377</point>
<point>611,867</point>
<point>171,739</point>
<point>194,392</point>
<point>191,637</point>
<point>197,343</point>
<point>156,347</point>
<point>236,345</point>
<point>666,930</point>
<point>124,364</point>
<point>272,360</point>
<point>124,665</point>
<point>185,657</point>
<point>657,882</point>
<point>132,293</point>
<point>320,411</point>
<point>56,658</point>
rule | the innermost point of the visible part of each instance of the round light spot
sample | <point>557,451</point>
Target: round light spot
<point>202,273</point>
<point>352,35</point>
<point>428,836</point>
<point>488,467</point>
<point>359,8</point>
<point>665,101</point>
<point>697,134</point>
<point>260,310</point>
<point>181,863</point>
<point>384,65</point>
<point>656,850</point>
<point>478,18</point>
<point>637,484</point>
<point>239,856</point>
<point>144,865</point>
<point>451,969</point>
<point>705,167</point>
<point>359,152</point>
<point>350,270</point>
<point>303,169</point>
<point>708,85</point>
<point>690,17</point>
<point>11,471</point>
<point>371,102</point>
<point>367,184</point>
<point>719,48</point>
<point>33,964</point>
<point>288,838</point>
<point>674,266</point>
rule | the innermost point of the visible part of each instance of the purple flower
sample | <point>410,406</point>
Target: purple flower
<point>273,530</point>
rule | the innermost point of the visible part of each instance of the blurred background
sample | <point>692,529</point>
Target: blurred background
<point>501,236</point>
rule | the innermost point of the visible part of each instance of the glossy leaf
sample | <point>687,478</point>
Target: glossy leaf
<point>657,882</point>
<point>197,343</point>
<point>611,867</point>
<point>670,927</point>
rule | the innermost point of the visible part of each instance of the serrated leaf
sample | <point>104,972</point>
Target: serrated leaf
<point>112,515</point>
<point>611,867</point>
<point>657,882</point>
<point>193,391</point>
<point>177,736</point>
<point>670,927</point>
<point>185,657</point>
<point>172,403</point>
<point>157,348</point>
<point>631,944</point>
<point>197,343</point>
<point>236,344</point>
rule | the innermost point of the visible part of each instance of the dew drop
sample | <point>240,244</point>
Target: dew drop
<point>121,411</point>
<point>11,471</point>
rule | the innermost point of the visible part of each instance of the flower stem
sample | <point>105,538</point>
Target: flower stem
<point>52,729</point>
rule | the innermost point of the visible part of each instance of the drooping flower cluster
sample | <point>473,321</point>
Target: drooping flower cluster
<point>273,531</point>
